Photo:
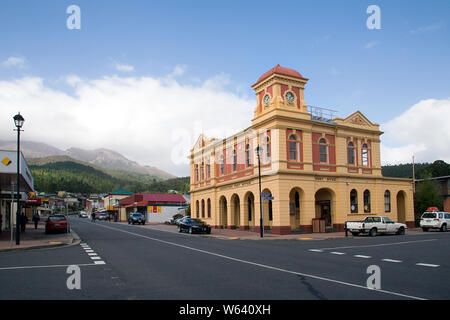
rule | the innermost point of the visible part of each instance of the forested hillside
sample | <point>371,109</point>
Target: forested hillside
<point>78,178</point>
<point>438,168</point>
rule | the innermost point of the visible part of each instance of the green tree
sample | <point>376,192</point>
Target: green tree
<point>427,195</point>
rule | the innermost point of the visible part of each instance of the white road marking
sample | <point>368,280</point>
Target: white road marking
<point>96,258</point>
<point>427,265</point>
<point>89,251</point>
<point>391,260</point>
<point>92,254</point>
<point>49,266</point>
<point>361,256</point>
<point>338,253</point>
<point>99,262</point>
<point>380,245</point>
<point>315,250</point>
<point>259,264</point>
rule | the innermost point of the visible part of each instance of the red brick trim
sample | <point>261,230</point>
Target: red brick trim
<point>410,224</point>
<point>281,230</point>
<point>339,227</point>
<point>307,228</point>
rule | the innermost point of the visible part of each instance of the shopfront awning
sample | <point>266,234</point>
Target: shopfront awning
<point>8,172</point>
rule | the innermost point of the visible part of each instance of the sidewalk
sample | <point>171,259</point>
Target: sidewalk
<point>231,234</point>
<point>35,238</point>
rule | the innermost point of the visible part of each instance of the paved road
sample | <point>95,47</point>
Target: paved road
<point>131,262</point>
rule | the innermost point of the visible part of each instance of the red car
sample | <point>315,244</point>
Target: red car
<point>57,222</point>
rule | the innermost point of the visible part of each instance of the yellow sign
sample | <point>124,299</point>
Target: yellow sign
<point>6,161</point>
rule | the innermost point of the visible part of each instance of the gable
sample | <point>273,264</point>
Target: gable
<point>357,118</point>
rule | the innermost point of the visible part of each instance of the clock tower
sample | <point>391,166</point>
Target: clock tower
<point>280,91</point>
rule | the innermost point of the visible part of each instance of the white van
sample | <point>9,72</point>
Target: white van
<point>434,219</point>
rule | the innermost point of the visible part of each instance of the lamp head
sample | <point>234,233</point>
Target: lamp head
<point>18,120</point>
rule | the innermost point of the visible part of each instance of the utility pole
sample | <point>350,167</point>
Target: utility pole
<point>414,176</point>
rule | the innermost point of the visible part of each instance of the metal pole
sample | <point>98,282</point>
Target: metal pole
<point>18,189</point>
<point>11,219</point>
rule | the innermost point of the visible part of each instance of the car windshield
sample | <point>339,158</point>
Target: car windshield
<point>429,215</point>
<point>56,218</point>
<point>137,215</point>
<point>195,221</point>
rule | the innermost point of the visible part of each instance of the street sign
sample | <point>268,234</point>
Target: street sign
<point>268,198</point>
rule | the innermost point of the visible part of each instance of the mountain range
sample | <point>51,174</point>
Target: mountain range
<point>38,153</point>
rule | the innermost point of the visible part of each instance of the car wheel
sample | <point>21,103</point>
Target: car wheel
<point>143,223</point>
<point>191,231</point>
<point>401,231</point>
<point>444,228</point>
<point>373,232</point>
<point>355,234</point>
<point>425,229</point>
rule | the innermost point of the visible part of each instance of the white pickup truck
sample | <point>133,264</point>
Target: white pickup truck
<point>374,225</point>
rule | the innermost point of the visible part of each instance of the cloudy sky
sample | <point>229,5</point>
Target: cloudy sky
<point>144,78</point>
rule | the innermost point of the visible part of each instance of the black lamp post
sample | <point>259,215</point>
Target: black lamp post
<point>18,121</point>
<point>261,218</point>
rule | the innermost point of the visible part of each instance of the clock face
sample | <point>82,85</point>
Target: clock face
<point>289,97</point>
<point>266,99</point>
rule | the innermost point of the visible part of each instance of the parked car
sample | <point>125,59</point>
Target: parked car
<point>434,219</point>
<point>102,216</point>
<point>374,225</point>
<point>82,214</point>
<point>193,226</point>
<point>56,223</point>
<point>136,217</point>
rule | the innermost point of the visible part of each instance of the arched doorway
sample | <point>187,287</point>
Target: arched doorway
<point>223,212</point>
<point>296,197</point>
<point>324,207</point>
<point>401,206</point>
<point>235,211</point>
<point>268,211</point>
<point>249,214</point>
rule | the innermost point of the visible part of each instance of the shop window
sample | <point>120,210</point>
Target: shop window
<point>387,201</point>
<point>367,201</point>
<point>353,201</point>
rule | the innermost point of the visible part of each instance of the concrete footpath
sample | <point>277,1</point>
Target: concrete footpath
<point>232,234</point>
<point>36,238</point>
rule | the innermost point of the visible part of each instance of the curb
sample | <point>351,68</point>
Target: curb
<point>75,240</point>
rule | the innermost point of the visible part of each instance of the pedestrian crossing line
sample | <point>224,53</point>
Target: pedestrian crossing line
<point>92,254</point>
<point>96,258</point>
<point>427,265</point>
<point>391,260</point>
<point>99,262</point>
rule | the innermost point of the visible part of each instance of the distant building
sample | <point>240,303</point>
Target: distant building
<point>444,186</point>
<point>111,201</point>
<point>8,177</point>
<point>156,207</point>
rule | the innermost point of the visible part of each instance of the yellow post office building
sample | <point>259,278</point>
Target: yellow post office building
<point>315,166</point>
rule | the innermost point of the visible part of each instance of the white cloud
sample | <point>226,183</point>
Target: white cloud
<point>429,28</point>
<point>422,131</point>
<point>124,67</point>
<point>18,62</point>
<point>136,116</point>
<point>371,44</point>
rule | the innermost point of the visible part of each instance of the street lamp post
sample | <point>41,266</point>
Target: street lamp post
<point>261,217</point>
<point>18,121</point>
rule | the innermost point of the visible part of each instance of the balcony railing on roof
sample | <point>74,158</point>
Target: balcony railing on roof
<point>322,114</point>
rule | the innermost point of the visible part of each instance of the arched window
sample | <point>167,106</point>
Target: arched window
<point>353,201</point>
<point>222,165</point>
<point>234,159</point>
<point>268,148</point>
<point>351,153</point>
<point>367,201</point>
<point>247,155</point>
<point>294,148</point>
<point>323,150</point>
<point>202,171</point>
<point>197,209</point>
<point>387,201</point>
<point>203,208</point>
<point>365,155</point>
<point>209,208</point>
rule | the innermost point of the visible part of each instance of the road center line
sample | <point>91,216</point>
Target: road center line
<point>262,265</point>
<point>427,265</point>
<point>379,245</point>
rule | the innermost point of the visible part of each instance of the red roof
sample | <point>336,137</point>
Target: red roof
<point>162,197</point>
<point>280,70</point>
